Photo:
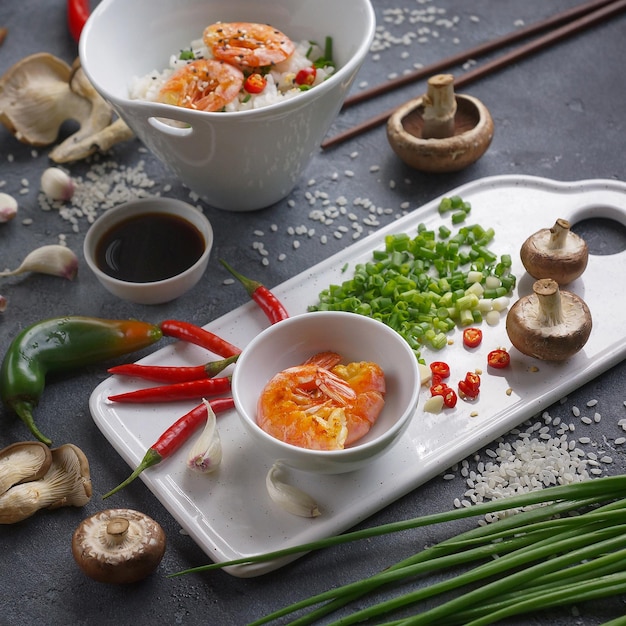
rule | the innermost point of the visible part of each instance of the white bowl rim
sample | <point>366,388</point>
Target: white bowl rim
<point>156,204</point>
<point>357,449</point>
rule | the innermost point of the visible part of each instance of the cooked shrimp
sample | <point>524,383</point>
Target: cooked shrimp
<point>248,44</point>
<point>204,84</point>
<point>312,406</point>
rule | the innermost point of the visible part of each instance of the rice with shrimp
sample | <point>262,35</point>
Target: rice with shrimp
<point>281,78</point>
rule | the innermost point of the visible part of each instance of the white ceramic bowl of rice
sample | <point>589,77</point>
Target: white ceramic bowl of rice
<point>247,156</point>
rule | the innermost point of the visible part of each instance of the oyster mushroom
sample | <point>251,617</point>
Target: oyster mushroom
<point>549,324</point>
<point>98,132</point>
<point>440,131</point>
<point>36,99</point>
<point>66,483</point>
<point>23,461</point>
<point>118,546</point>
<point>556,253</point>
<point>41,92</point>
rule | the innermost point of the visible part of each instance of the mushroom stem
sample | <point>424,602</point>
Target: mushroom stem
<point>549,299</point>
<point>439,107</point>
<point>558,234</point>
<point>116,530</point>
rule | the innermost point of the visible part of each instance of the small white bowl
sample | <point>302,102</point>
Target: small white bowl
<point>237,161</point>
<point>355,337</point>
<point>155,292</point>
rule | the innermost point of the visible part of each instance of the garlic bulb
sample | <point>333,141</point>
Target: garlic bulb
<point>206,453</point>
<point>291,498</point>
<point>57,184</point>
<point>54,259</point>
<point>8,207</point>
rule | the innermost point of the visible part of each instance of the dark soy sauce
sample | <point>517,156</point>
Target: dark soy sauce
<point>149,247</point>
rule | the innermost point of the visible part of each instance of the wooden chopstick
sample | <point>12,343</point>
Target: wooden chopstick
<point>472,53</point>
<point>592,13</point>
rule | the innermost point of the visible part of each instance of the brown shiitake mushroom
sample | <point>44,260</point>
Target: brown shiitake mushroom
<point>549,324</point>
<point>22,462</point>
<point>556,253</point>
<point>118,546</point>
<point>440,131</point>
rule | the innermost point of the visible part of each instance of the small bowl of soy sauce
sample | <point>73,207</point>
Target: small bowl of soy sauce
<point>149,250</point>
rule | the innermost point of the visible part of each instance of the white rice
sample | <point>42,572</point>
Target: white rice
<point>280,79</point>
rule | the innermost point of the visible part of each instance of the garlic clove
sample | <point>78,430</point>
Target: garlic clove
<point>57,184</point>
<point>53,259</point>
<point>287,496</point>
<point>8,207</point>
<point>205,455</point>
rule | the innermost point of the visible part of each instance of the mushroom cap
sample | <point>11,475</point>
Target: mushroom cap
<point>66,483</point>
<point>532,335</point>
<point>22,462</point>
<point>36,99</point>
<point>473,134</point>
<point>118,546</point>
<point>563,264</point>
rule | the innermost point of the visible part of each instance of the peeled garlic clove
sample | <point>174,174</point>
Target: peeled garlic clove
<point>291,498</point>
<point>8,207</point>
<point>53,259</point>
<point>57,184</point>
<point>206,453</point>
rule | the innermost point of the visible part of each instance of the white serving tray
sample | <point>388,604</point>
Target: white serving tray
<point>229,514</point>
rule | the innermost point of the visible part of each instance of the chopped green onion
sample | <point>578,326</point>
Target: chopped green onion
<point>416,278</point>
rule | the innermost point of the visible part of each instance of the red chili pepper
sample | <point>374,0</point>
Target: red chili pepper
<point>470,386</point>
<point>190,390</point>
<point>498,359</point>
<point>199,336</point>
<point>172,373</point>
<point>448,394</point>
<point>255,83</point>
<point>269,303</point>
<point>438,389</point>
<point>174,437</point>
<point>450,398</point>
<point>472,337</point>
<point>77,14</point>
<point>306,76</point>
<point>439,368</point>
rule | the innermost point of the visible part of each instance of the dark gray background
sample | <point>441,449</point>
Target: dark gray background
<point>558,114</point>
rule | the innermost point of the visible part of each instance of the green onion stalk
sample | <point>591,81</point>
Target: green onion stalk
<point>561,545</point>
<point>426,285</point>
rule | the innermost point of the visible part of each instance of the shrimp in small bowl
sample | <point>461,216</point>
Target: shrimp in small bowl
<point>327,391</point>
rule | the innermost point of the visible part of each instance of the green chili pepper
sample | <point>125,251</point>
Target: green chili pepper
<point>59,344</point>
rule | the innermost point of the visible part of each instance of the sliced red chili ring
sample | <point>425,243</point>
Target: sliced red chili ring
<point>473,380</point>
<point>255,83</point>
<point>498,359</point>
<point>450,398</point>
<point>467,390</point>
<point>306,76</point>
<point>439,389</point>
<point>472,337</point>
<point>439,368</point>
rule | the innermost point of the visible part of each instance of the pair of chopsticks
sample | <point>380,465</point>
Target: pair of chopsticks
<point>565,24</point>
